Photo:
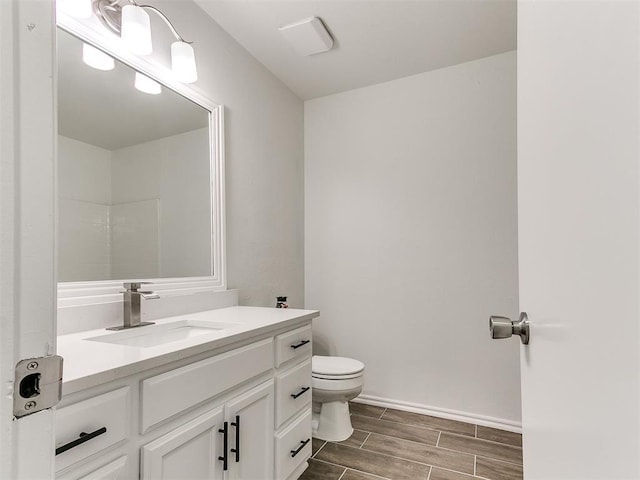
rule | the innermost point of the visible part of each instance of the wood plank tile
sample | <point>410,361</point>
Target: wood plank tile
<point>497,470</point>
<point>419,452</point>
<point>371,462</point>
<point>393,429</point>
<point>322,471</point>
<point>501,436</point>
<point>316,444</point>
<point>476,446</point>
<point>426,421</point>
<point>356,439</point>
<point>353,475</point>
<point>439,474</point>
<point>366,410</point>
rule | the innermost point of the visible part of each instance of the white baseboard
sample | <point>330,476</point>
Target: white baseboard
<point>483,420</point>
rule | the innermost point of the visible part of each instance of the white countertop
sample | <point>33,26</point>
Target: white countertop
<point>88,363</point>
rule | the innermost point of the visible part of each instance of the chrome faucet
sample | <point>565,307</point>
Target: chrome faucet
<point>131,313</point>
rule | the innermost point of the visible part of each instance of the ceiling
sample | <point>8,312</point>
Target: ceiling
<point>375,41</point>
<point>104,109</point>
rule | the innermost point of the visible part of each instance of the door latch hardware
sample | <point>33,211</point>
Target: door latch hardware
<point>504,327</point>
<point>37,384</point>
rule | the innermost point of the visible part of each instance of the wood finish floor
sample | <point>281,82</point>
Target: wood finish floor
<point>394,445</point>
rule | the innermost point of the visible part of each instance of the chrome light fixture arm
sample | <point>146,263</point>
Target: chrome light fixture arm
<point>110,14</point>
<point>166,20</point>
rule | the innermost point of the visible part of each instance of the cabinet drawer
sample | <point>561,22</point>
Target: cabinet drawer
<point>293,344</point>
<point>293,391</point>
<point>293,446</point>
<point>172,392</point>
<point>103,420</point>
<point>116,470</point>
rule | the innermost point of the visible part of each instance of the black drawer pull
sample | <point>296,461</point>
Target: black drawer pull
<point>237,449</point>
<point>301,344</point>
<point>225,444</point>
<point>304,390</point>
<point>84,437</point>
<point>302,445</point>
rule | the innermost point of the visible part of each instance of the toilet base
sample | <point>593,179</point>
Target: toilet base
<point>333,422</point>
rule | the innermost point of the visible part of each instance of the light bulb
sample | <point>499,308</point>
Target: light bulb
<point>77,8</point>
<point>147,85</point>
<point>136,29</point>
<point>183,62</point>
<point>96,58</point>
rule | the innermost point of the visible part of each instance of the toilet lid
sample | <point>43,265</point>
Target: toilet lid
<point>335,365</point>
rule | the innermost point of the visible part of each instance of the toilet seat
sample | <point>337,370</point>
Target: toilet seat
<point>337,385</point>
<point>335,368</point>
<point>335,377</point>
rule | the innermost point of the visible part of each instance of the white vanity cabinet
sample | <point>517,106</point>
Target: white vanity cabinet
<point>114,470</point>
<point>229,415</point>
<point>250,419</point>
<point>236,438</point>
<point>293,403</point>
<point>192,447</point>
<point>92,425</point>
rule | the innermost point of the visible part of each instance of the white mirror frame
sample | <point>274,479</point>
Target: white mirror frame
<point>108,291</point>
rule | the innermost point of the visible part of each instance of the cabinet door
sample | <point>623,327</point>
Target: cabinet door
<point>250,418</point>
<point>115,470</point>
<point>190,452</point>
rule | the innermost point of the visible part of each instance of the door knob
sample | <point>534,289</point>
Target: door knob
<point>504,327</point>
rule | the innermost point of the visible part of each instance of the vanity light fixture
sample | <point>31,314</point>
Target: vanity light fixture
<point>97,58</point>
<point>135,29</point>
<point>183,62</point>
<point>147,85</point>
<point>131,21</point>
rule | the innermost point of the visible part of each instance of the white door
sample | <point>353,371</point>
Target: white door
<point>579,237</point>
<point>190,452</point>
<point>27,225</point>
<point>250,416</point>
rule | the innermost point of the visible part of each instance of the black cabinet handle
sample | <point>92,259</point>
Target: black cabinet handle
<point>302,445</point>
<point>84,437</point>
<point>237,449</point>
<point>303,390</point>
<point>301,344</point>
<point>225,444</point>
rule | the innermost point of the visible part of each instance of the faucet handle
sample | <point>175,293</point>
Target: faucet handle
<point>134,286</point>
<point>149,295</point>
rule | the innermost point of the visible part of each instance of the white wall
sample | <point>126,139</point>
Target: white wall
<point>411,235</point>
<point>84,171</point>
<point>84,196</point>
<point>175,172</point>
<point>135,239</point>
<point>264,158</point>
<point>137,212</point>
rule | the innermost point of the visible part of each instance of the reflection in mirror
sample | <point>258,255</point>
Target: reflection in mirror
<point>134,175</point>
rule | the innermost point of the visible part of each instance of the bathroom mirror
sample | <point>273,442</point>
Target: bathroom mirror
<point>139,175</point>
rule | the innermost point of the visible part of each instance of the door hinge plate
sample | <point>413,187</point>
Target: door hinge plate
<point>37,385</point>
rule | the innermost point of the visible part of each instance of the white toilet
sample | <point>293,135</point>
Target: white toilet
<point>335,381</point>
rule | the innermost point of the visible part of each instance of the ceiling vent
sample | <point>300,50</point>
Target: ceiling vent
<point>308,36</point>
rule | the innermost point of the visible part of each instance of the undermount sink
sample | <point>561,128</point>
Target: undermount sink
<point>154,335</point>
